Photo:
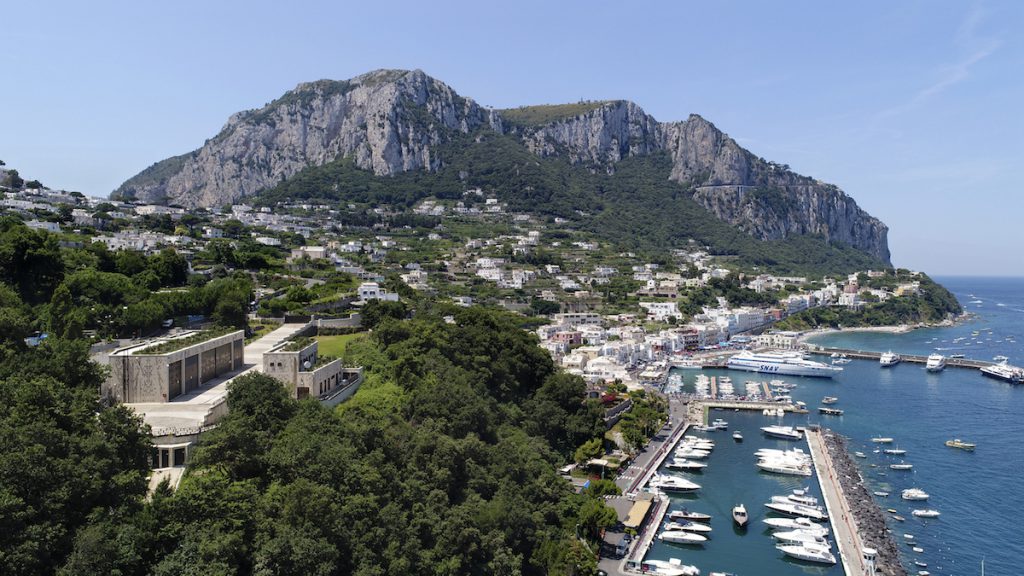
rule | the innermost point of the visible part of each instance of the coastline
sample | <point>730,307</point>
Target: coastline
<point>805,337</point>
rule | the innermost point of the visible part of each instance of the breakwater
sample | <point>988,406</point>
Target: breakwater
<point>868,517</point>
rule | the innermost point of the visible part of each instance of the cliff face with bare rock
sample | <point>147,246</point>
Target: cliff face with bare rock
<point>392,121</point>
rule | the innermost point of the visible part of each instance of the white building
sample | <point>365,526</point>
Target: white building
<point>661,311</point>
<point>373,291</point>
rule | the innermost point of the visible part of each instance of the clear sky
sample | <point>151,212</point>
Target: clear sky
<point>913,108</point>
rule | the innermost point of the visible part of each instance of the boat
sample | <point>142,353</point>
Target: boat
<point>914,494</point>
<point>799,536</point>
<point>898,518</point>
<point>917,549</point>
<point>809,552</point>
<point>935,363</point>
<point>882,440</point>
<point>720,424</point>
<point>667,483</point>
<point>799,497</point>
<point>901,466</point>
<point>829,411</point>
<point>798,523</point>
<point>890,358</point>
<point>686,465</point>
<point>737,436</point>
<point>670,567</point>
<point>926,513</point>
<point>686,514</point>
<point>895,451</point>
<point>779,466</point>
<point>920,564</point>
<point>691,453</point>
<point>688,526</point>
<point>881,493</point>
<point>829,400</point>
<point>789,363</point>
<point>1003,371</point>
<point>1000,358</point>
<point>814,513</point>
<point>703,428</point>
<point>782,432</point>
<point>860,455</point>
<point>739,515</point>
<point>958,443</point>
<point>682,537</point>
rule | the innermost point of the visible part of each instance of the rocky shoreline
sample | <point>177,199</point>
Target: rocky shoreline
<point>869,517</point>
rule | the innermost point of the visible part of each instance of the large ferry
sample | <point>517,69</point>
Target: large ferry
<point>1004,371</point>
<point>789,363</point>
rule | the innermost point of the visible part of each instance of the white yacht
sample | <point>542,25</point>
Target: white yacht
<point>802,496</point>
<point>936,363</point>
<point>667,483</point>
<point>814,513</point>
<point>890,358</point>
<point>737,436</point>
<point>790,468</point>
<point>671,567</point>
<point>688,526</point>
<point>926,513</point>
<point>720,424</point>
<point>882,440</point>
<point>783,432</point>
<point>793,453</point>
<point>809,552</point>
<point>682,537</point>
<point>686,514</point>
<point>894,451</point>
<point>684,464</point>
<point>799,536</point>
<point>914,494</point>
<point>901,466</point>
<point>1004,371</point>
<point>691,453</point>
<point>791,363</point>
<point>799,523</point>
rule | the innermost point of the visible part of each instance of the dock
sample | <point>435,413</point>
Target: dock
<point>646,537</point>
<point>911,358</point>
<point>844,525</point>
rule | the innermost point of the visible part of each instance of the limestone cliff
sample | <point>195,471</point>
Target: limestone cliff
<point>391,121</point>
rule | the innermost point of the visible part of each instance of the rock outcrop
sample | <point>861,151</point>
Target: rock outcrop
<point>391,121</point>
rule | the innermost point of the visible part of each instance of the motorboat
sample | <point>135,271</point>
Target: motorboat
<point>796,454</point>
<point>705,445</point>
<point>685,465</point>
<point>958,443</point>
<point>882,440</point>
<point>901,466</point>
<point>686,514</point>
<point>914,494</point>
<point>720,424</point>
<point>688,526</point>
<point>705,428</point>
<point>830,411</point>
<point>898,518</point>
<point>740,516</point>
<point>682,537</point>
<point>799,523</point>
<point>802,496</point>
<point>810,501</point>
<point>800,510</point>
<point>829,400</point>
<point>926,513</point>
<point>860,455</point>
<point>935,363</point>
<point>809,552</point>
<point>799,536</point>
<point>917,549</point>
<point>881,493</point>
<point>782,432</point>
<point>668,483</point>
<point>791,363</point>
<point>895,451</point>
<point>670,567</point>
<point>890,358</point>
<point>783,467</point>
<point>737,436</point>
<point>691,453</point>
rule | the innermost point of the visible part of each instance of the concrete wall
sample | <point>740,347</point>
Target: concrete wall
<point>286,365</point>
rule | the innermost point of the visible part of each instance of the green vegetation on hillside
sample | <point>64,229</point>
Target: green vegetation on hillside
<point>934,303</point>
<point>528,116</point>
<point>638,207</point>
<point>155,174</point>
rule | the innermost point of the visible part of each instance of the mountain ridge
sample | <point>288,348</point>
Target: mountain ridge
<point>394,121</point>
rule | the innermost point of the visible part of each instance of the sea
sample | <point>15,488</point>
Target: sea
<point>980,494</point>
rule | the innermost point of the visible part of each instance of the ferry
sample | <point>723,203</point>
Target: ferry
<point>1004,371</point>
<point>958,443</point>
<point>789,363</point>
<point>936,363</point>
<point>890,358</point>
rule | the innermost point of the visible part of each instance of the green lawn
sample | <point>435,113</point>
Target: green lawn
<point>335,345</point>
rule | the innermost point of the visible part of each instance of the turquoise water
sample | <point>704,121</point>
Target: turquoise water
<point>980,494</point>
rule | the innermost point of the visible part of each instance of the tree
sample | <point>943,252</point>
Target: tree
<point>61,308</point>
<point>593,448</point>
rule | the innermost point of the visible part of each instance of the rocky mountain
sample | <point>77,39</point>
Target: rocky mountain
<point>392,121</point>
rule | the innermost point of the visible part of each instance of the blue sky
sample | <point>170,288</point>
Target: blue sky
<point>913,108</point>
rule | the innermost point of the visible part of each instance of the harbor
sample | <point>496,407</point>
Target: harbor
<point>911,358</point>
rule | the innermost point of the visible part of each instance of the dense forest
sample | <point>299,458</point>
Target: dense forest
<point>637,207</point>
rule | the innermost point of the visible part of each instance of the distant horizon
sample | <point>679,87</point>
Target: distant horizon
<point>911,109</point>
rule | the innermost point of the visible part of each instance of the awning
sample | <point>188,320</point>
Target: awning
<point>637,514</point>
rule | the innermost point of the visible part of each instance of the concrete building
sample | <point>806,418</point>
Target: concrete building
<point>373,291</point>
<point>306,374</point>
<point>160,370</point>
